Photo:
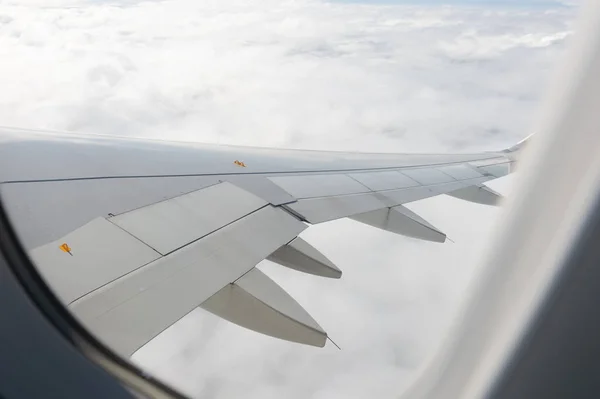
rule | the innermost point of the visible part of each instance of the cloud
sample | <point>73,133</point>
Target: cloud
<point>303,74</point>
<point>291,73</point>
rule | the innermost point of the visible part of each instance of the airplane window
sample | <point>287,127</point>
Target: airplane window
<point>267,199</point>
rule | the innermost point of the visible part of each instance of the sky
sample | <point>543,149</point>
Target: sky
<point>342,75</point>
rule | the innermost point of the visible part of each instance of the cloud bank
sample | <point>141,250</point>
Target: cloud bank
<point>301,74</point>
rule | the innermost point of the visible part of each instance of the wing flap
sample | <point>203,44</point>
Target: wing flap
<point>318,210</point>
<point>496,167</point>
<point>133,309</point>
<point>262,187</point>
<point>310,186</point>
<point>386,180</point>
<point>498,170</point>
<point>460,172</point>
<point>173,223</point>
<point>98,253</point>
<point>428,176</point>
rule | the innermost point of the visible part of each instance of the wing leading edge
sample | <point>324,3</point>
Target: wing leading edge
<point>155,230</point>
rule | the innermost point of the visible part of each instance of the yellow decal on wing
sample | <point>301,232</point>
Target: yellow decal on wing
<point>65,248</point>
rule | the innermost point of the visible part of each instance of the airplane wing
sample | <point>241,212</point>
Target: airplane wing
<point>133,234</point>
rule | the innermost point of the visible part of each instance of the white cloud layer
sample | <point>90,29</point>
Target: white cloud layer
<point>304,74</point>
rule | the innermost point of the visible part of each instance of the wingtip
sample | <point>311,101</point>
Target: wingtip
<point>521,144</point>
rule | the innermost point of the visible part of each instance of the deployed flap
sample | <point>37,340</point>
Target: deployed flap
<point>133,309</point>
<point>309,186</point>
<point>318,210</point>
<point>479,194</point>
<point>460,172</point>
<point>89,257</point>
<point>401,220</point>
<point>384,180</point>
<point>173,223</point>
<point>300,255</point>
<point>323,209</point>
<point>256,302</point>
<point>263,188</point>
<point>496,167</point>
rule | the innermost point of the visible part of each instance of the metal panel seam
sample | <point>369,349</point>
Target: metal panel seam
<point>115,279</point>
<point>394,189</point>
<point>137,238</point>
<point>167,199</point>
<point>452,177</point>
<point>220,228</point>
<point>296,214</point>
<point>268,173</point>
<point>364,185</point>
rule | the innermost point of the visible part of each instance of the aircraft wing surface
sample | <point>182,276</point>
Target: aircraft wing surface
<point>133,234</point>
